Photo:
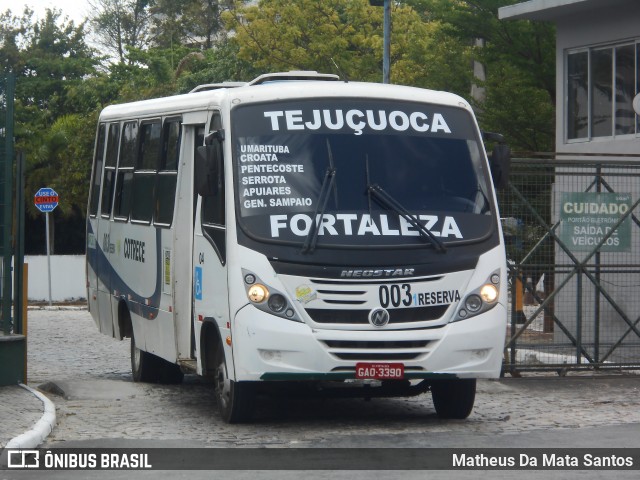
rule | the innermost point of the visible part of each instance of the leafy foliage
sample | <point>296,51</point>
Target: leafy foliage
<point>217,65</point>
<point>120,25</point>
<point>519,58</point>
<point>346,37</point>
<point>53,116</point>
<point>187,22</point>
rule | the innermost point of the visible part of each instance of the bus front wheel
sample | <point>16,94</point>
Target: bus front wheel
<point>235,399</point>
<point>454,398</point>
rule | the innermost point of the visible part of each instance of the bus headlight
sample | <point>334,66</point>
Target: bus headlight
<point>277,303</point>
<point>258,293</point>
<point>473,303</point>
<point>489,293</point>
<point>479,300</point>
<point>267,298</point>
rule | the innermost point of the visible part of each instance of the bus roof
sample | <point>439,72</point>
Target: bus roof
<point>277,88</point>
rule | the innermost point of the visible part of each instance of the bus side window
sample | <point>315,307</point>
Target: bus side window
<point>165,192</point>
<point>213,207</point>
<point>124,179</point>
<point>144,175</point>
<point>96,176</point>
<point>111,160</point>
<point>198,142</point>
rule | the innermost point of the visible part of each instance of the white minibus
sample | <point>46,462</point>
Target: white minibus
<point>300,228</point>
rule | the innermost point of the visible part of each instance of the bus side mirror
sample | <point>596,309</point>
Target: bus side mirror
<point>207,169</point>
<point>500,163</point>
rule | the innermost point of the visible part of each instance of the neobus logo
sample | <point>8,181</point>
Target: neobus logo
<point>382,272</point>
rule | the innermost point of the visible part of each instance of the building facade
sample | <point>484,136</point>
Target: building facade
<point>597,71</point>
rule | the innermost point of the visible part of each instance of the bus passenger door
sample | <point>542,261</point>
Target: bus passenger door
<point>105,244</point>
<point>92,256</point>
<point>209,253</point>
<point>192,135</point>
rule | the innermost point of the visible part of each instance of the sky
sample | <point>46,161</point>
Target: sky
<point>76,10</point>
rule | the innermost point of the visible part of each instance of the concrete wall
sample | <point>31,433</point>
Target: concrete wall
<point>67,278</point>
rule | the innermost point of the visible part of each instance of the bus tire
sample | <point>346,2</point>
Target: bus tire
<point>145,367</point>
<point>235,399</point>
<point>454,398</point>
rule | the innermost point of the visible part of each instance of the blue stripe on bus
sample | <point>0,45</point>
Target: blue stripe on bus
<point>114,282</point>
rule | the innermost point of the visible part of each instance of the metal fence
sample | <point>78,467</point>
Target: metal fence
<point>572,233</point>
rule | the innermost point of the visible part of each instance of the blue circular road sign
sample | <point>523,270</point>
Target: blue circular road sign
<point>46,199</point>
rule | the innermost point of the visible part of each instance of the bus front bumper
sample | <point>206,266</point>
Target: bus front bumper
<point>266,347</point>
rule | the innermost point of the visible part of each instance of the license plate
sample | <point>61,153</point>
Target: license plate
<point>380,371</point>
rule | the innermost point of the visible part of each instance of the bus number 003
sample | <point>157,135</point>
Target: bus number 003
<point>395,295</point>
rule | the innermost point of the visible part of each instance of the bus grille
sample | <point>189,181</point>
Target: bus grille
<point>377,350</point>
<point>361,317</point>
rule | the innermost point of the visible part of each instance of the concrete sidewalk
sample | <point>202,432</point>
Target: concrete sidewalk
<point>26,417</point>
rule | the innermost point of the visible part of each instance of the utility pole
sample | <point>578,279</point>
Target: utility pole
<point>386,49</point>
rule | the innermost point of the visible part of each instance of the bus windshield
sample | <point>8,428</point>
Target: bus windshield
<point>370,172</point>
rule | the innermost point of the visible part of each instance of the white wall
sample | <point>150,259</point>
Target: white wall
<point>67,278</point>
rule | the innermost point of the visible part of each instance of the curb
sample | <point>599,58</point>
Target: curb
<point>56,307</point>
<point>41,429</point>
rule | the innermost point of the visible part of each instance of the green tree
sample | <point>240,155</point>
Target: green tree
<point>60,158</point>
<point>50,59</point>
<point>188,22</point>
<point>345,36</point>
<point>12,31</point>
<point>519,59</point>
<point>121,25</point>
<point>47,57</point>
<point>216,65</point>
<point>54,113</point>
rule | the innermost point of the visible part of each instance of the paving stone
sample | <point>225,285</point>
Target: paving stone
<point>19,411</point>
<point>66,348</point>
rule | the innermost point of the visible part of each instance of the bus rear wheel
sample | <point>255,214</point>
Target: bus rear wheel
<point>454,398</point>
<point>235,399</point>
<point>145,367</point>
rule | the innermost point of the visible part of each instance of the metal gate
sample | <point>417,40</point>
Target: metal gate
<point>573,250</point>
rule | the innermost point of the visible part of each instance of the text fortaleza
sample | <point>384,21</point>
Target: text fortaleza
<point>363,224</point>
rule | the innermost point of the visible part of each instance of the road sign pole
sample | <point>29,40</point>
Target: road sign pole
<point>46,200</point>
<point>48,254</point>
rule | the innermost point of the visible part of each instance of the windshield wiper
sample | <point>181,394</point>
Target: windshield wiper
<point>389,202</point>
<point>328,182</point>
